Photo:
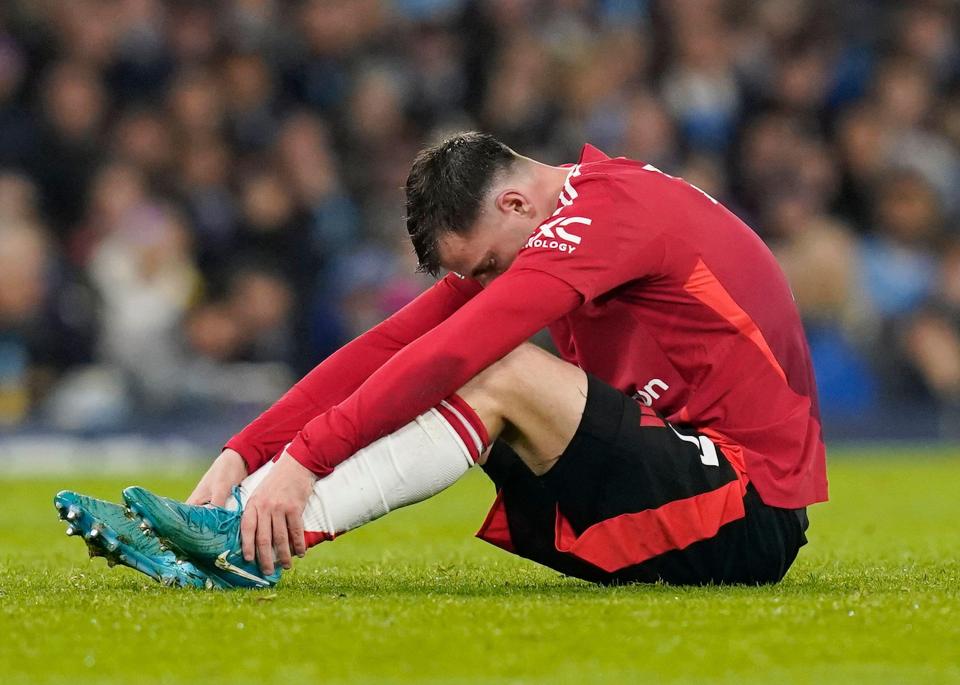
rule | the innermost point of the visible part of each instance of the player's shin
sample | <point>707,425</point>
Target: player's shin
<point>410,465</point>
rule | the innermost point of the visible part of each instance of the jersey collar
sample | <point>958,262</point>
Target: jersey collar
<point>591,154</point>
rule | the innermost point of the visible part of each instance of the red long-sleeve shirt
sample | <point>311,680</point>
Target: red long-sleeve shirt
<point>644,281</point>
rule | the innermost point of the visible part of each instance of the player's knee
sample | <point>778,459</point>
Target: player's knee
<point>505,377</point>
<point>524,360</point>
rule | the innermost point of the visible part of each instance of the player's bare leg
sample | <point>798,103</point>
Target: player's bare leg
<point>532,400</point>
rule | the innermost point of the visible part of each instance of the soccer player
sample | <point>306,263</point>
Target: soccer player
<point>675,438</point>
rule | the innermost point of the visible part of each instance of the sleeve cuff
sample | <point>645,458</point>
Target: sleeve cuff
<point>249,456</point>
<point>299,450</point>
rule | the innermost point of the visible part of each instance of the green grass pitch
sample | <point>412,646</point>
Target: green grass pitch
<point>413,598</point>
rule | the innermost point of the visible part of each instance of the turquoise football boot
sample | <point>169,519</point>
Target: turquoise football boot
<point>207,536</point>
<point>110,532</point>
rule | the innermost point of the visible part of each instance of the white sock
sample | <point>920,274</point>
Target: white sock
<point>408,466</point>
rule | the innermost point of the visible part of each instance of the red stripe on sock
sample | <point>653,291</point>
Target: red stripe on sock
<point>470,415</point>
<point>462,426</point>
<point>461,430</point>
<point>312,537</point>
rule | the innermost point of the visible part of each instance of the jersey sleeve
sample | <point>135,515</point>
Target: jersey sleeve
<point>342,373</point>
<point>511,309</point>
<point>600,237</point>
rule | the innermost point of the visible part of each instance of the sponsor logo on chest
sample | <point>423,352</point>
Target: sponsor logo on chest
<point>562,233</point>
<point>557,234</point>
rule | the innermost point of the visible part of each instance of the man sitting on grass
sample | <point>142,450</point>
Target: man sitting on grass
<point>675,438</point>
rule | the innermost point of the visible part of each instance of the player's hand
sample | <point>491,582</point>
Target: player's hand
<point>273,516</point>
<point>226,471</point>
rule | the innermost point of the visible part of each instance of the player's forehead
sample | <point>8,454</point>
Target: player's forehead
<point>459,252</point>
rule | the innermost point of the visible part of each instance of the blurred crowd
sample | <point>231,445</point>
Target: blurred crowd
<point>200,199</point>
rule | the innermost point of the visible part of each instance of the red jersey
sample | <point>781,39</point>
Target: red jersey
<point>650,285</point>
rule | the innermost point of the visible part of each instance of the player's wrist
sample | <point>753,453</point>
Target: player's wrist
<point>299,452</point>
<point>234,461</point>
<point>251,451</point>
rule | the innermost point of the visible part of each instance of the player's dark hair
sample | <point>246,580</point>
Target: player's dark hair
<point>446,186</point>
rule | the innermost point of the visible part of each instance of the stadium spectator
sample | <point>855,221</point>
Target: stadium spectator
<point>145,275</point>
<point>223,140</point>
<point>46,309</point>
<point>23,256</point>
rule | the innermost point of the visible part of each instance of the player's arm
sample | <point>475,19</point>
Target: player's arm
<point>334,379</point>
<point>515,306</point>
<point>329,383</point>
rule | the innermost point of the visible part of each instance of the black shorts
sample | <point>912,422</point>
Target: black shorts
<point>635,499</point>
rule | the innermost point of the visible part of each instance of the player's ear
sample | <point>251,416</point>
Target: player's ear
<point>512,202</point>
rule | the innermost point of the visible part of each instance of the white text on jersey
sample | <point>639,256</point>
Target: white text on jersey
<point>555,234</point>
<point>649,392</point>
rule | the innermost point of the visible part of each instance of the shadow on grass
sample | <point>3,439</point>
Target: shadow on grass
<point>374,580</point>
